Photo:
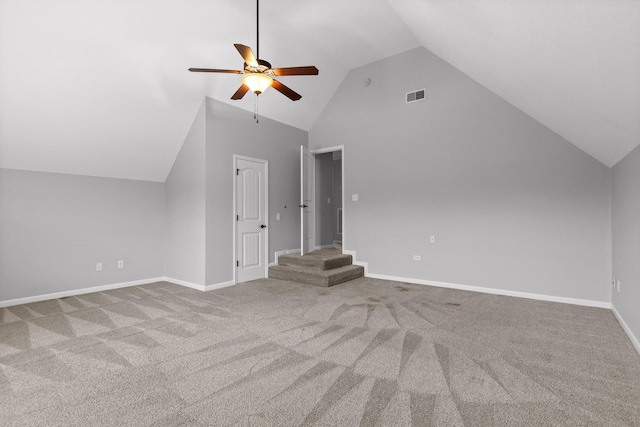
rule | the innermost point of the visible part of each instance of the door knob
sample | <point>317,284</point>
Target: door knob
<point>303,206</point>
<point>263,226</point>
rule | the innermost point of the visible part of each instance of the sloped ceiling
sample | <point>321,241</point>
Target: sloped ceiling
<point>101,87</point>
<point>573,65</point>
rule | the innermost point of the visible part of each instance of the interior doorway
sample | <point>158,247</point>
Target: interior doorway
<point>328,184</point>
<point>322,198</point>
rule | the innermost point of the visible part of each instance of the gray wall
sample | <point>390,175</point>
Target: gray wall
<point>54,228</point>
<point>513,205</point>
<point>185,208</point>
<point>626,239</point>
<point>324,192</point>
<point>230,131</point>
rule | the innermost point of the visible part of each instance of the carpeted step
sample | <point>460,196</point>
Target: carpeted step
<point>315,277</point>
<point>318,260</point>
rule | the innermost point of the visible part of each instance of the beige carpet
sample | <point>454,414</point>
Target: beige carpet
<point>268,352</point>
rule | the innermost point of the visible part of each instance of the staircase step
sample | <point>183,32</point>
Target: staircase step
<point>317,260</point>
<point>324,278</point>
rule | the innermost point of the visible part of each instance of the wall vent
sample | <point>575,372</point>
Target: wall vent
<point>418,95</point>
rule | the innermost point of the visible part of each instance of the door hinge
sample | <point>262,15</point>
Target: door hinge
<point>237,217</point>
<point>237,263</point>
<point>237,171</point>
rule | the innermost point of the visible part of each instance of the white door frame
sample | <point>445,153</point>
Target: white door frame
<point>331,150</point>
<point>237,157</point>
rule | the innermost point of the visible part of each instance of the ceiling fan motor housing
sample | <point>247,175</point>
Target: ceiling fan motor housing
<point>263,67</point>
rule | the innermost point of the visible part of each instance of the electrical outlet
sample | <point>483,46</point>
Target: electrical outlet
<point>99,266</point>
<point>354,197</point>
<point>618,285</point>
<point>416,258</point>
<point>121,264</point>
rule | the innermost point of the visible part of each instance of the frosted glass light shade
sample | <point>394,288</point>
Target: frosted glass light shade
<point>257,82</point>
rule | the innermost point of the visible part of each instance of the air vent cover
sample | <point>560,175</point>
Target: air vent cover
<point>418,95</point>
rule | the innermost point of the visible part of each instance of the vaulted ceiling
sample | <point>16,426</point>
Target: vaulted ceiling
<point>101,87</point>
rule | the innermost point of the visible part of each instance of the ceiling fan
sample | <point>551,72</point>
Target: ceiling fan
<point>258,74</point>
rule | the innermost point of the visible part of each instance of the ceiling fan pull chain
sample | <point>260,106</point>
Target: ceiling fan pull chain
<point>255,109</point>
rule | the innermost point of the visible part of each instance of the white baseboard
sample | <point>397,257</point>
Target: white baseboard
<point>203,288</point>
<point>588,303</point>
<point>219,285</point>
<point>494,291</point>
<point>184,283</point>
<point>55,295</point>
<point>627,329</point>
<point>82,291</point>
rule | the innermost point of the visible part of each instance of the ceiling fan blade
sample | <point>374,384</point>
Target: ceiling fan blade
<point>285,90</point>
<point>247,54</point>
<point>296,71</point>
<point>214,70</point>
<point>242,90</point>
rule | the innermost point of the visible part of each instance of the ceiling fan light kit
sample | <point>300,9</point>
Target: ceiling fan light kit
<point>258,75</point>
<point>257,82</point>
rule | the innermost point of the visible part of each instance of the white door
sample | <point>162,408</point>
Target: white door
<point>307,188</point>
<point>251,219</point>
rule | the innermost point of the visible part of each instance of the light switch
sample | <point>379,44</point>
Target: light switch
<point>278,216</point>
<point>354,197</point>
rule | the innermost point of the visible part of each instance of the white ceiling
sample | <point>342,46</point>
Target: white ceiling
<point>101,87</point>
